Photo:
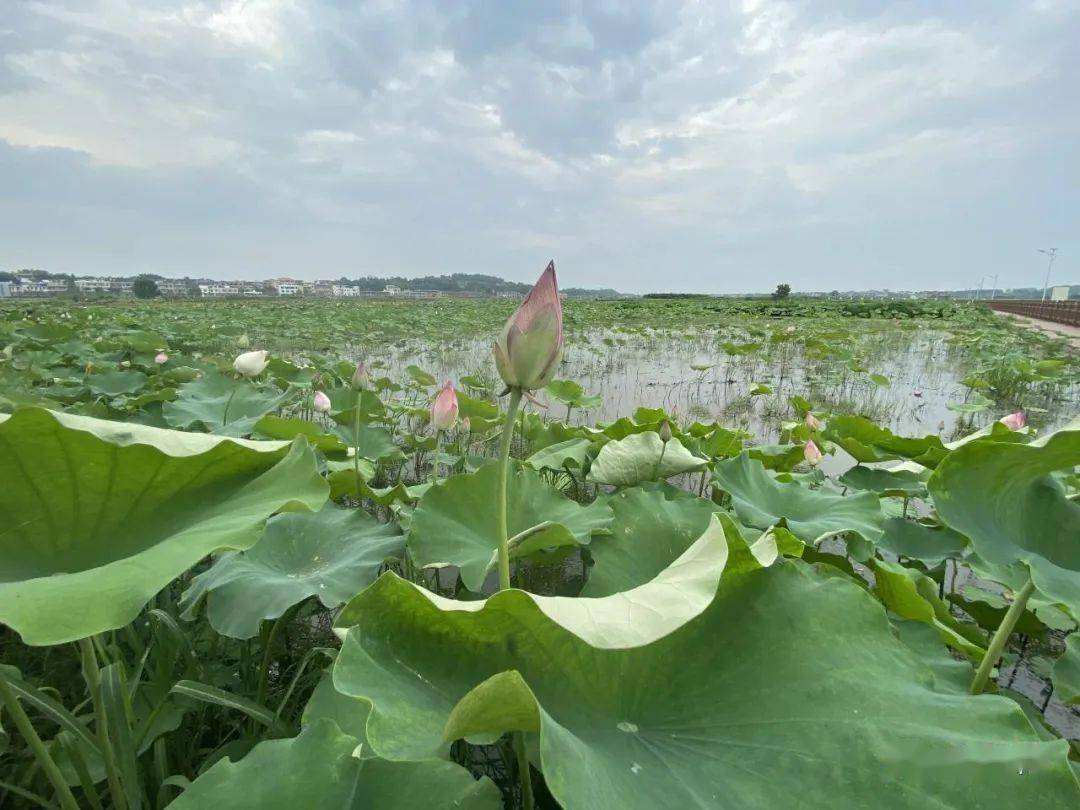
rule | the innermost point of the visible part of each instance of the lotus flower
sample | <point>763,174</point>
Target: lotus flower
<point>444,409</point>
<point>361,378</point>
<point>530,347</point>
<point>1014,421</point>
<point>320,402</point>
<point>161,358</point>
<point>813,422</point>
<point>251,364</point>
<point>811,453</point>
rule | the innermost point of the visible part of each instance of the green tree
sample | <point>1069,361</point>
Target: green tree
<point>782,291</point>
<point>145,287</point>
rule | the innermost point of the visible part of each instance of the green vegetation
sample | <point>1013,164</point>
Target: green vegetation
<point>218,590</point>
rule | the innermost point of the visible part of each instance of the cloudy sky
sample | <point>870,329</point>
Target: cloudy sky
<point>716,147</point>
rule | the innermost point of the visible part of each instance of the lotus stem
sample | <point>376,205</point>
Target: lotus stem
<point>92,675</point>
<point>41,753</point>
<point>1001,636</point>
<point>228,402</point>
<point>518,740</point>
<point>501,496</point>
<point>356,447</point>
<point>435,461</point>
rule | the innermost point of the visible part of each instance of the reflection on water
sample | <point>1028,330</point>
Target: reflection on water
<point>627,372</point>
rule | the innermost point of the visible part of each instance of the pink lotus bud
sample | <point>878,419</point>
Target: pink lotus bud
<point>1014,421</point>
<point>444,409</point>
<point>813,422</point>
<point>466,425</point>
<point>361,379</point>
<point>251,364</point>
<point>530,347</point>
<point>320,402</point>
<point>811,453</point>
<point>161,358</point>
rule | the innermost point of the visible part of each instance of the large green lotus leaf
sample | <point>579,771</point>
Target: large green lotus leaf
<point>221,404</point>
<point>907,538</point>
<point>1004,498</point>
<point>371,442</point>
<point>900,483</point>
<point>761,501</point>
<point>648,533</point>
<point>867,442</point>
<point>349,713</point>
<point>912,595</point>
<point>115,383</point>
<point>559,456</point>
<point>277,427</point>
<point>455,522</point>
<point>1066,674</point>
<point>637,458</point>
<point>790,688</point>
<point>317,769</point>
<point>101,515</point>
<point>333,554</point>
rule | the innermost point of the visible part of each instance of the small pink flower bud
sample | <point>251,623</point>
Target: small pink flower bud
<point>1014,421</point>
<point>466,425</point>
<point>530,347</point>
<point>161,358</point>
<point>813,422</point>
<point>811,453</point>
<point>251,364</point>
<point>444,409</point>
<point>320,402</point>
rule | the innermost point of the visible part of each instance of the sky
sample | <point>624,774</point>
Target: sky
<point>645,146</point>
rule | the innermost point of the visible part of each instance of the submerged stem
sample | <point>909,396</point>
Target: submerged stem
<point>501,495</point>
<point>524,775</point>
<point>1001,636</point>
<point>41,753</point>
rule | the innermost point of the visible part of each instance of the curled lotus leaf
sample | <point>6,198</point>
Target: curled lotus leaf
<point>792,683</point>
<point>642,457</point>
<point>110,512</point>
<point>1004,497</point>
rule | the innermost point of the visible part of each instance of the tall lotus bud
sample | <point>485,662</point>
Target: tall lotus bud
<point>444,409</point>
<point>361,378</point>
<point>812,421</point>
<point>530,347</point>
<point>1014,421</point>
<point>665,432</point>
<point>251,364</point>
<point>466,425</point>
<point>161,358</point>
<point>320,402</point>
<point>811,453</point>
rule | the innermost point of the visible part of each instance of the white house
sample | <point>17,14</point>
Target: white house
<point>216,290</point>
<point>392,289</point>
<point>289,288</point>
<point>345,290</point>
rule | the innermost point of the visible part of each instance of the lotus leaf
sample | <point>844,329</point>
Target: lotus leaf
<point>641,457</point>
<point>791,686</point>
<point>221,404</point>
<point>332,554</point>
<point>108,513</point>
<point>318,769</point>
<point>455,522</point>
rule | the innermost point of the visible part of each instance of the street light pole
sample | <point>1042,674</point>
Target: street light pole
<point>993,292</point>
<point>1052,253</point>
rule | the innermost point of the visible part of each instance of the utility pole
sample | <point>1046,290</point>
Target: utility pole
<point>993,292</point>
<point>1052,253</point>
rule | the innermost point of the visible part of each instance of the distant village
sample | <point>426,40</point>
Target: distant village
<point>32,286</point>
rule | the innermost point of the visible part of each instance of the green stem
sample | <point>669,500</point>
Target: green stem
<point>501,495</point>
<point>92,675</point>
<point>41,753</point>
<point>435,462</point>
<point>228,402</point>
<point>523,770</point>
<point>356,447</point>
<point>1001,636</point>
<point>660,462</point>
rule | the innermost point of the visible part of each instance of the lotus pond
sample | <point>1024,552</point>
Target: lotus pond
<point>761,554</point>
